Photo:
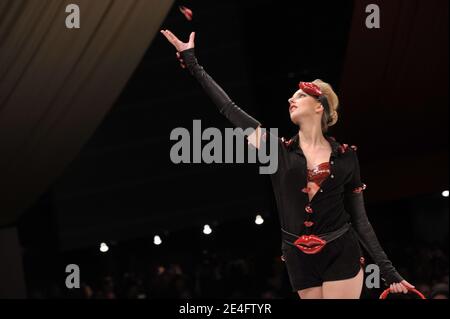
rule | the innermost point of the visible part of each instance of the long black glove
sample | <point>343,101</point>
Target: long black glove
<point>226,106</point>
<point>354,205</point>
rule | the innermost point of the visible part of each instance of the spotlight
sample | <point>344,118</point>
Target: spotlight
<point>207,230</point>
<point>157,240</point>
<point>445,193</point>
<point>259,220</point>
<point>104,248</point>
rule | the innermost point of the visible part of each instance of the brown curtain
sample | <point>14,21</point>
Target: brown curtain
<point>396,77</point>
<point>56,84</point>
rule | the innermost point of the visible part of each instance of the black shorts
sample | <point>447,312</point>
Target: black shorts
<point>338,260</point>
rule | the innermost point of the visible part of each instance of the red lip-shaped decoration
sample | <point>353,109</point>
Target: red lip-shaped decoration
<point>308,223</point>
<point>310,88</point>
<point>186,12</point>
<point>310,244</point>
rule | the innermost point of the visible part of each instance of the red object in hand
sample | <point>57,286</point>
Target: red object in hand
<point>310,88</point>
<point>415,291</point>
<point>186,12</point>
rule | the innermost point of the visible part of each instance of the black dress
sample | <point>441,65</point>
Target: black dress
<point>338,202</point>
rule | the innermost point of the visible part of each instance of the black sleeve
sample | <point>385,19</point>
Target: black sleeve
<point>354,205</point>
<point>226,106</point>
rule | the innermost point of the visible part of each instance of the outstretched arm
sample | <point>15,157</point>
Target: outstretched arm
<point>354,204</point>
<point>237,116</point>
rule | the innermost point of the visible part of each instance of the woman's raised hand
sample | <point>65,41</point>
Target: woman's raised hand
<point>179,45</point>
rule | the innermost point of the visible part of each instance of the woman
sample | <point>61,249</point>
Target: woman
<point>317,188</point>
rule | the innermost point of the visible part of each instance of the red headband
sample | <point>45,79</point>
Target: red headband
<point>310,88</point>
<point>314,90</point>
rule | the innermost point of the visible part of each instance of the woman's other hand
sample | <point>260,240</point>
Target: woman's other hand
<point>401,287</point>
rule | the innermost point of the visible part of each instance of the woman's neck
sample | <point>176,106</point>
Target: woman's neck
<point>312,136</point>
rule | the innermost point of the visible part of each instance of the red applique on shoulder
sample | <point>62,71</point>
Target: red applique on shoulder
<point>344,148</point>
<point>360,189</point>
<point>286,143</point>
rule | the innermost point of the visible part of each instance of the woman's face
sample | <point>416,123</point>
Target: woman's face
<point>302,106</point>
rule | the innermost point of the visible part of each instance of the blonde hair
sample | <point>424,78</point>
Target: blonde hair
<point>333,102</point>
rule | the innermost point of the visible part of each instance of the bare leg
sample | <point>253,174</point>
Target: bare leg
<point>344,289</point>
<point>311,293</point>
